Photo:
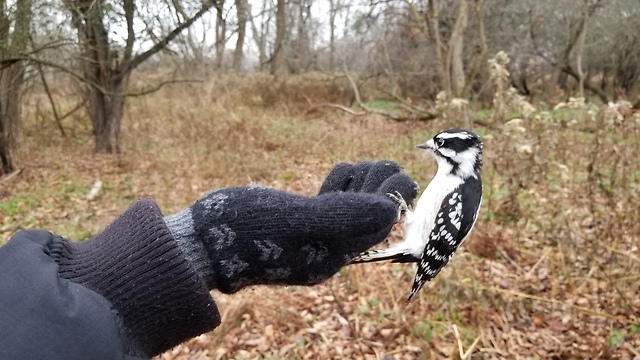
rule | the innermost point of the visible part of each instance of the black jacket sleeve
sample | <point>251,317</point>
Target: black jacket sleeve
<point>125,293</point>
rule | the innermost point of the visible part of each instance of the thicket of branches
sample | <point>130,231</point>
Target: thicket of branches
<point>411,50</point>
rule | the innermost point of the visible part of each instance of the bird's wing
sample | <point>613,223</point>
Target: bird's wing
<point>454,222</point>
<point>397,254</point>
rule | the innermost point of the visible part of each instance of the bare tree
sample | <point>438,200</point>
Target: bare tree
<point>278,65</point>
<point>301,54</point>
<point>450,52</point>
<point>14,40</point>
<point>580,46</point>
<point>334,6</point>
<point>560,41</point>
<point>577,31</point>
<point>242,8</point>
<point>106,68</point>
<point>191,48</point>
<point>221,33</point>
<point>260,34</point>
<point>454,64</point>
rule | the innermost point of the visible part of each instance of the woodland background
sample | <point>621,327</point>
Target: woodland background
<point>104,102</point>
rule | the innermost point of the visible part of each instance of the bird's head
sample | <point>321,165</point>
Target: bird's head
<point>457,151</point>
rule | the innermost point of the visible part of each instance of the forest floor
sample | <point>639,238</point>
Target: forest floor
<point>552,269</point>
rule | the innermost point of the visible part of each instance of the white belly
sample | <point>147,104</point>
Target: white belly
<point>419,223</point>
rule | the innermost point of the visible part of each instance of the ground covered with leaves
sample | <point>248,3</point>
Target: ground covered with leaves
<point>551,271</point>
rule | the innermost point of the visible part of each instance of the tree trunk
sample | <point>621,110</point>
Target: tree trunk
<point>260,35</point>
<point>12,78</point>
<point>433,27</point>
<point>455,62</point>
<point>580,49</point>
<point>278,60</point>
<point>479,60</point>
<point>106,83</point>
<point>106,72</point>
<point>574,38</point>
<point>106,110</point>
<point>333,12</point>
<point>241,9</point>
<point>221,33</point>
<point>299,51</point>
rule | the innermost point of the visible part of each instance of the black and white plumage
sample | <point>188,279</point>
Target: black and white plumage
<point>446,211</point>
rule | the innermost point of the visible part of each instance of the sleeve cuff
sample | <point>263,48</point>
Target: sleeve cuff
<point>136,265</point>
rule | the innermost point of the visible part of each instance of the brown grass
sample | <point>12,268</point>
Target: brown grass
<point>552,269</point>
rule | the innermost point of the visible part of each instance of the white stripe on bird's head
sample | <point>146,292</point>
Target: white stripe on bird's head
<point>462,135</point>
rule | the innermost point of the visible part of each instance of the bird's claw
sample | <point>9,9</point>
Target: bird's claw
<point>402,204</point>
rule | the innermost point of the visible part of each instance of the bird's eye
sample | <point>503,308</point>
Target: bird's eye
<point>440,142</point>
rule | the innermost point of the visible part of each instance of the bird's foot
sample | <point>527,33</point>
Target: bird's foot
<point>402,204</point>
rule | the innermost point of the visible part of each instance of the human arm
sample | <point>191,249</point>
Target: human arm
<point>142,285</point>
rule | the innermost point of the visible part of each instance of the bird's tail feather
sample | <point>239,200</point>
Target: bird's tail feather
<point>395,255</point>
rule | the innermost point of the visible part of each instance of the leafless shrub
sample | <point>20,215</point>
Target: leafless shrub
<point>454,112</point>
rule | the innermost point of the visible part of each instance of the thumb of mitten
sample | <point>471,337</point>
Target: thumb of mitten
<point>402,184</point>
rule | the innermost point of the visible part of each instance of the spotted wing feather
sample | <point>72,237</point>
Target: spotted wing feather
<point>454,221</point>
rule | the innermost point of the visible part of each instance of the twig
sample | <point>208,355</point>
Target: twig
<point>407,104</point>
<point>426,115</point>
<point>464,354</point>
<point>356,93</point>
<point>553,338</point>
<point>390,116</point>
<point>10,177</point>
<point>324,137</point>
<point>631,349</point>
<point>457,335</point>
<point>509,259</point>
<point>589,274</point>
<point>48,92</point>
<point>345,316</point>
<point>75,108</point>
<point>630,277</point>
<point>10,228</point>
<point>334,106</point>
<point>471,348</point>
<point>127,66</point>
<point>388,287</point>
<point>159,86</point>
<point>341,310</point>
<point>552,301</point>
<point>533,268</point>
<point>622,253</point>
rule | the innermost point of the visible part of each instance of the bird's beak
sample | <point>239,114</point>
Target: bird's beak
<point>429,145</point>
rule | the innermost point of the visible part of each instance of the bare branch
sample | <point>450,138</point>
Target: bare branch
<point>56,66</point>
<point>408,105</point>
<point>129,8</point>
<point>6,179</point>
<point>48,92</point>
<point>159,86</point>
<point>10,228</point>
<point>6,62</point>
<point>394,117</point>
<point>51,101</point>
<point>139,59</point>
<point>314,107</point>
<point>601,94</point>
<point>333,106</point>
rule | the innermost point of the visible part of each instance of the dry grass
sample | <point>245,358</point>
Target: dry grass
<point>552,269</point>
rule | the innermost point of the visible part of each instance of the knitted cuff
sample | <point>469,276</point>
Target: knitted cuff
<point>136,265</point>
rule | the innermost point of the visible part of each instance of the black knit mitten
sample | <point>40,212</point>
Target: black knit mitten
<point>243,236</point>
